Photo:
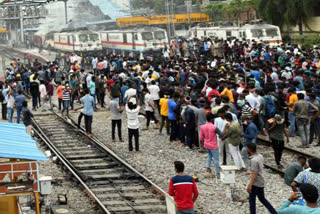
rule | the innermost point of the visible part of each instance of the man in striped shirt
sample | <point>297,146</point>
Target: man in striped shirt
<point>184,190</point>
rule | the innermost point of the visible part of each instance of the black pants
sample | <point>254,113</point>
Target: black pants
<point>60,103</point>
<point>102,95</point>
<point>135,133</point>
<point>97,95</point>
<point>118,124</point>
<point>164,119</point>
<point>174,130</point>
<point>150,115</point>
<point>88,123</point>
<point>81,115</point>
<point>191,136</point>
<point>259,191</point>
<point>4,111</point>
<point>278,146</point>
<point>73,97</point>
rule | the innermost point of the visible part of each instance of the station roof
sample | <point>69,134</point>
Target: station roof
<point>16,143</point>
<point>111,9</point>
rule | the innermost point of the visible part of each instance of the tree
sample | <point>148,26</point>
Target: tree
<point>298,12</point>
<point>272,11</point>
<point>217,11</point>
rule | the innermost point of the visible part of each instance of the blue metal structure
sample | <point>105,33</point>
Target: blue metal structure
<point>16,143</point>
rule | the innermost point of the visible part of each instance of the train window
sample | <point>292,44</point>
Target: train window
<point>159,35</point>
<point>83,38</point>
<point>68,37</point>
<point>240,34</point>
<point>229,33</point>
<point>257,33</point>
<point>94,37</point>
<point>147,36</point>
<point>125,38</point>
<point>244,35</point>
<point>135,36</point>
<point>272,32</point>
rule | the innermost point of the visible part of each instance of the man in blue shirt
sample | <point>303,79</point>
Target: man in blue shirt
<point>309,194</point>
<point>20,98</point>
<point>88,109</point>
<point>172,103</point>
<point>250,137</point>
<point>4,90</point>
<point>92,87</point>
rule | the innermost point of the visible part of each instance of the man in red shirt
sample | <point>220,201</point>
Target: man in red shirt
<point>184,190</point>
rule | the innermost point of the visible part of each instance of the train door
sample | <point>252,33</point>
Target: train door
<point>134,38</point>
<point>125,39</point>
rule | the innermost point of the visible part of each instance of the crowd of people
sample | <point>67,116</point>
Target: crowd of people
<point>214,97</point>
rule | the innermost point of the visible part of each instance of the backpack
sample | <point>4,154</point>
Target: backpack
<point>1,96</point>
<point>270,107</point>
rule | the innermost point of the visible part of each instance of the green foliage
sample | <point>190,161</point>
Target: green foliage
<point>230,10</point>
<point>289,12</point>
<point>307,41</point>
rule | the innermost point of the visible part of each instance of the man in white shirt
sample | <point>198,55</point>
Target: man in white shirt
<point>252,99</point>
<point>132,111</point>
<point>154,92</point>
<point>149,108</point>
<point>221,123</point>
<point>287,73</point>
<point>131,92</point>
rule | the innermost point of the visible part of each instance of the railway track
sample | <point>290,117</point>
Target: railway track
<point>289,155</point>
<point>112,183</point>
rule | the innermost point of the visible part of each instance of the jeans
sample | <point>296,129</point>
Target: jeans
<point>164,119</point>
<point>278,146</point>
<point>156,102</point>
<point>60,103</point>
<point>34,101</point>
<point>135,133</point>
<point>213,153</point>
<point>10,114</point>
<point>191,136</point>
<point>188,211</point>
<point>174,130</point>
<point>66,105</point>
<point>19,109</point>
<point>259,191</point>
<point>303,130</point>
<point>88,123</point>
<point>315,130</point>
<point>292,123</point>
<point>4,111</point>
<point>102,95</point>
<point>81,115</point>
<point>245,156</point>
<point>150,115</point>
<point>118,124</point>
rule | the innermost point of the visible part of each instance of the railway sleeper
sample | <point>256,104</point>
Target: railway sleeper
<point>138,202</point>
<point>103,165</point>
<point>117,182</point>
<point>112,176</point>
<point>141,209</point>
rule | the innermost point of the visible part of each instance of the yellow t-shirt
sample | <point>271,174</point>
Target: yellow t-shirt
<point>164,109</point>
<point>228,93</point>
<point>292,100</point>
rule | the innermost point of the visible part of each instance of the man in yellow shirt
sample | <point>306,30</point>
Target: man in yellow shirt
<point>228,92</point>
<point>293,98</point>
<point>164,112</point>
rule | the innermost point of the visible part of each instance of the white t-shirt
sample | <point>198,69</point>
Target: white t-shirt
<point>253,101</point>
<point>154,91</point>
<point>131,92</point>
<point>11,101</point>
<point>220,123</point>
<point>287,75</point>
<point>147,99</point>
<point>132,115</point>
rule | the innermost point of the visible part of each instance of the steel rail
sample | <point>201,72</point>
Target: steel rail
<point>115,156</point>
<point>66,163</point>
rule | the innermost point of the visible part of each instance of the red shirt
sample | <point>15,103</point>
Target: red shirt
<point>212,93</point>
<point>184,190</point>
<point>109,83</point>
